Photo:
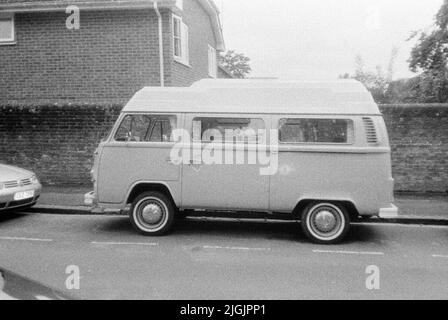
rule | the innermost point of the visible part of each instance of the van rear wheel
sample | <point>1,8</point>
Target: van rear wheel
<point>325,223</point>
<point>152,214</point>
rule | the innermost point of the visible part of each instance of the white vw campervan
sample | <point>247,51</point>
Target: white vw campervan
<point>316,150</point>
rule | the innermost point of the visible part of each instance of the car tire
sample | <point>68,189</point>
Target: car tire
<point>325,222</point>
<point>152,214</point>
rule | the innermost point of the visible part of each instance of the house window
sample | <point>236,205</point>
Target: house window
<point>212,62</point>
<point>7,31</point>
<point>180,40</point>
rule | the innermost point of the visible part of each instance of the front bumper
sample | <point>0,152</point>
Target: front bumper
<point>389,213</point>
<point>7,201</point>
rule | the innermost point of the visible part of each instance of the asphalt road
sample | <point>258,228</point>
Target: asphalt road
<point>224,259</point>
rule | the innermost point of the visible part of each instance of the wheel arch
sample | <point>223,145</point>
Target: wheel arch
<point>144,186</point>
<point>348,204</point>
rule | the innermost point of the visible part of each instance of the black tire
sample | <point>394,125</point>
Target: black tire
<point>325,222</point>
<point>158,218</point>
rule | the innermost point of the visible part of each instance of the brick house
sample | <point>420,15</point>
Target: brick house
<point>119,47</point>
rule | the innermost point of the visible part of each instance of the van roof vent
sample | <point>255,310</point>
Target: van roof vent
<point>371,135</point>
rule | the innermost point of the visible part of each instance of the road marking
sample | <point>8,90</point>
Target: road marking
<point>236,248</point>
<point>151,244</point>
<point>440,256</point>
<point>350,252</point>
<point>25,239</point>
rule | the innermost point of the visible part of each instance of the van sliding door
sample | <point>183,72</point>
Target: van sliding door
<point>223,171</point>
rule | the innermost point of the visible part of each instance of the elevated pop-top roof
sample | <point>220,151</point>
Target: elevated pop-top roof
<point>257,96</point>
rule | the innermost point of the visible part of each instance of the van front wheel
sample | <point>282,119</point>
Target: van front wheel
<point>152,214</point>
<point>325,223</point>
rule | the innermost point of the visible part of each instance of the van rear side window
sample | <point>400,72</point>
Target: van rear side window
<point>236,130</point>
<point>146,128</point>
<point>316,131</point>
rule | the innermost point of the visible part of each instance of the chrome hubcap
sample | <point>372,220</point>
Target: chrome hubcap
<point>152,213</point>
<point>325,221</point>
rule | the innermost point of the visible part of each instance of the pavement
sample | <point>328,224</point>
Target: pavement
<point>102,257</point>
<point>429,209</point>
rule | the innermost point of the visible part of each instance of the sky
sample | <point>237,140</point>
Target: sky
<point>319,39</point>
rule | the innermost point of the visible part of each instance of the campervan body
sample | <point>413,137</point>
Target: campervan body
<point>317,151</point>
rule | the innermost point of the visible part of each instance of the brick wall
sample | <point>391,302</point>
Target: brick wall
<point>201,35</point>
<point>112,55</point>
<point>419,141</point>
<point>57,141</point>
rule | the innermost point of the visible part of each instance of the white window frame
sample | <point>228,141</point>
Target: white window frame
<point>183,39</point>
<point>212,62</point>
<point>12,39</point>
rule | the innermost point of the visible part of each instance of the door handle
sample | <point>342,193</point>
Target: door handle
<point>191,163</point>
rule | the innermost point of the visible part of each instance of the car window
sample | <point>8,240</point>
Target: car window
<point>161,130</point>
<point>228,129</point>
<point>316,131</point>
<point>146,128</point>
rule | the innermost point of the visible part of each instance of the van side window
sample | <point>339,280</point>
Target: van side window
<point>234,130</point>
<point>146,128</point>
<point>316,131</point>
<point>161,130</point>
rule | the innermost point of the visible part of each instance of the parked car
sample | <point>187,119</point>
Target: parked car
<point>327,155</point>
<point>16,287</point>
<point>19,188</point>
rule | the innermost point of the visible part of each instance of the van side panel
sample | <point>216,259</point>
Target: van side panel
<point>125,164</point>
<point>359,172</point>
<point>225,186</point>
<point>362,179</point>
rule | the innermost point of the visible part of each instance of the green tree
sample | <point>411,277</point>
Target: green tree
<point>236,63</point>
<point>430,57</point>
<point>375,81</point>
